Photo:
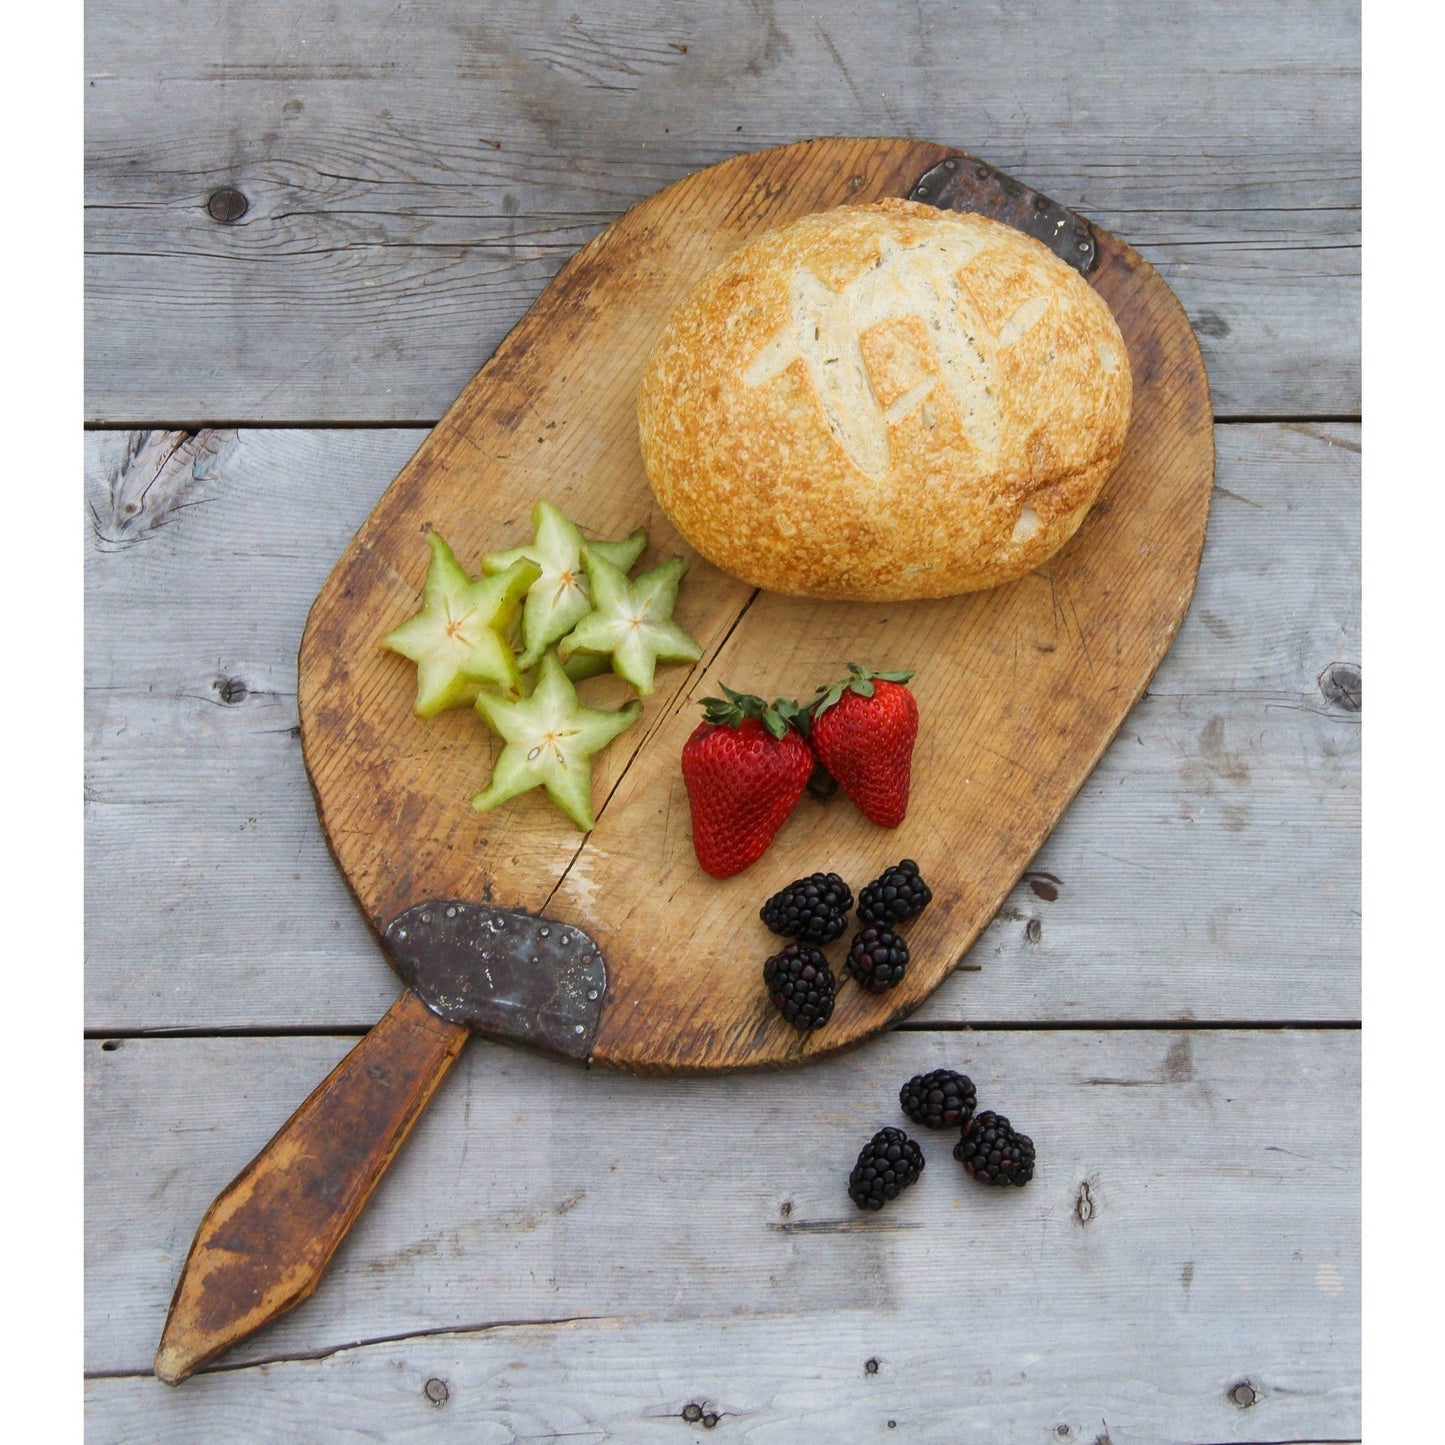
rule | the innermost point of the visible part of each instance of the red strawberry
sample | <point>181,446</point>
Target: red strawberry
<point>863,729</point>
<point>745,768</point>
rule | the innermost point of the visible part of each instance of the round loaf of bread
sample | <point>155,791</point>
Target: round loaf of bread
<point>884,401</point>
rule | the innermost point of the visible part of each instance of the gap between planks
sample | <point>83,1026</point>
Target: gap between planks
<point>252,424</point>
<point>992,1026</point>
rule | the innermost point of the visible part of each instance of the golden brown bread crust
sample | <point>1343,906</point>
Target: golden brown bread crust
<point>884,401</point>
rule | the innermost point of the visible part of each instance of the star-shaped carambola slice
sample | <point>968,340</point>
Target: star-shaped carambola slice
<point>632,620</point>
<point>560,598</point>
<point>456,640</point>
<point>550,738</point>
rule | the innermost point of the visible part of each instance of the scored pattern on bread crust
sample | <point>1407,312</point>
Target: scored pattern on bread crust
<point>827,328</point>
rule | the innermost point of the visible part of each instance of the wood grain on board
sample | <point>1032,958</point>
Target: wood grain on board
<point>1020,688</point>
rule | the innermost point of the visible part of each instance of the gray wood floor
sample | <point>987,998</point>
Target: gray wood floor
<point>1169,1004</point>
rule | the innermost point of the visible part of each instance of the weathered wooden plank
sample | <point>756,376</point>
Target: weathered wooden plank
<point>363,338</point>
<point>410,189</point>
<point>1046,79</point>
<point>610,1249</point>
<point>764,1382</point>
<point>1219,837</point>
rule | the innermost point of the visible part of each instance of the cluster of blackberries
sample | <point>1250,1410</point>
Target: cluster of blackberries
<point>988,1146</point>
<point>814,911</point>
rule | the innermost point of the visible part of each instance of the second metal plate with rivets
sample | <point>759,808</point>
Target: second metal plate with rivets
<point>502,972</point>
<point>964,183</point>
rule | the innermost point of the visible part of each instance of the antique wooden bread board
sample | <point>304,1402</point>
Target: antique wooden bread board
<point>1020,689</point>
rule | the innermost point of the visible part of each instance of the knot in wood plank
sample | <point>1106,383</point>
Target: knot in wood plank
<point>1340,685</point>
<point>227,205</point>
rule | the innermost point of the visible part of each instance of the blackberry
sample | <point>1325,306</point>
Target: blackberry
<point>822,785</point>
<point>878,959</point>
<point>812,910</point>
<point>940,1100</point>
<point>801,984</point>
<point>889,1163</point>
<point>993,1152</point>
<point>897,894</point>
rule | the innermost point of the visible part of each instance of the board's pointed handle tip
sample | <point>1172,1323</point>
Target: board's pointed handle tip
<point>173,1363</point>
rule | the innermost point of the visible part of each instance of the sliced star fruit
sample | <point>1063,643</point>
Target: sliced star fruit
<point>550,738</point>
<point>458,638</point>
<point>632,621</point>
<point>560,598</point>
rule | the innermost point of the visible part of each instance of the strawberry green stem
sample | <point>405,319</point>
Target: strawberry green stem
<point>859,680</point>
<point>733,707</point>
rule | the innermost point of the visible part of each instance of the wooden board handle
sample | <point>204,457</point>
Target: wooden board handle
<point>266,1241</point>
